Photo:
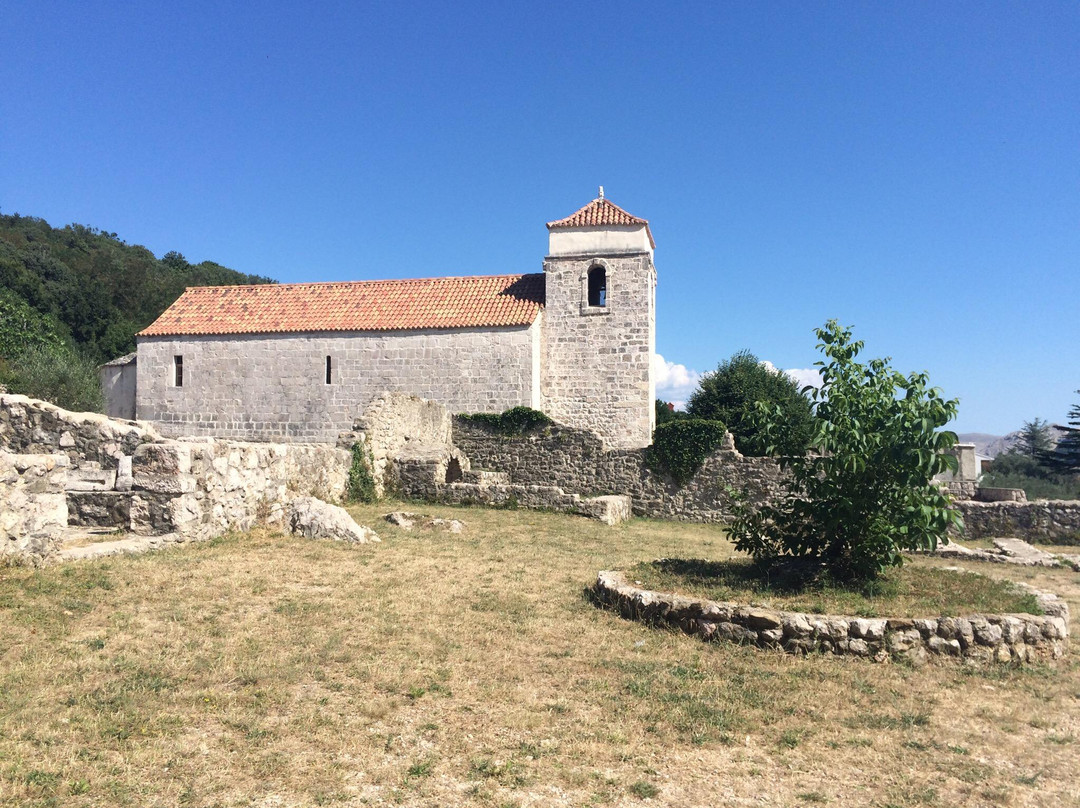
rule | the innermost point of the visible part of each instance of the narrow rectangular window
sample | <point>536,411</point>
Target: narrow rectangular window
<point>329,370</point>
<point>178,371</point>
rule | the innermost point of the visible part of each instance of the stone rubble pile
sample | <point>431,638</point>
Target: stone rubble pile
<point>1009,551</point>
<point>407,520</point>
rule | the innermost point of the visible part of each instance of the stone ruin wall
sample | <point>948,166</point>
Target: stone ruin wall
<point>59,468</point>
<point>399,424</point>
<point>33,503</point>
<point>980,638</point>
<point>575,460</point>
<point>30,426</point>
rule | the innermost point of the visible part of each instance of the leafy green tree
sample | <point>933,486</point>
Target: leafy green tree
<point>1035,439</point>
<point>867,493</point>
<point>731,394</point>
<point>1066,457</point>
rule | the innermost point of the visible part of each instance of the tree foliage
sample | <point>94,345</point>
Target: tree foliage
<point>665,412</point>
<point>1038,478</point>
<point>85,288</point>
<point>61,375</point>
<point>1066,456</point>
<point>1035,438</point>
<point>867,492</point>
<point>731,394</point>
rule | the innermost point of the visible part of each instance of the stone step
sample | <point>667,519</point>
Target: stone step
<point>83,545</point>
<point>487,477</point>
<point>610,509</point>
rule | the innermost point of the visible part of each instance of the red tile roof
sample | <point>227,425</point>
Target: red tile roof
<point>598,213</point>
<point>470,302</point>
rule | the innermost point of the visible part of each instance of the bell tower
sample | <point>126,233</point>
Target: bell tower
<point>599,324</point>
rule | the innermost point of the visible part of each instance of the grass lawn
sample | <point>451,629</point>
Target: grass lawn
<point>910,591</point>
<point>436,669</point>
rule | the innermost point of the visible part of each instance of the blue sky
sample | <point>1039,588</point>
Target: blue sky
<point>912,169</point>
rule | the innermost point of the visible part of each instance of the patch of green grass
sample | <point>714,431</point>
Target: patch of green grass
<point>643,789</point>
<point>909,591</point>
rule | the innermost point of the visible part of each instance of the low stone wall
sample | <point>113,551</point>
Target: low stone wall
<point>999,495</point>
<point>200,489</point>
<point>982,638</point>
<point>30,426</point>
<point>33,505</point>
<point>1040,520</point>
<point>575,460</point>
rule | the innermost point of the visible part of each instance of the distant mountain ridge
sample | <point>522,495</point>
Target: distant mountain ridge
<point>993,445</point>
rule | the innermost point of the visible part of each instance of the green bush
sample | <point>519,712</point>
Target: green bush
<point>680,447</point>
<point>515,422</point>
<point>868,491</point>
<point>361,485</point>
<point>731,394</point>
<point>58,374</point>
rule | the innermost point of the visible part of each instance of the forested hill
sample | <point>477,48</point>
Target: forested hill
<point>87,290</point>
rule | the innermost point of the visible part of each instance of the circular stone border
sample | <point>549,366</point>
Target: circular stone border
<point>979,638</point>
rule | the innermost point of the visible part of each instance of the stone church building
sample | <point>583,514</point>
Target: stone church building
<point>298,362</point>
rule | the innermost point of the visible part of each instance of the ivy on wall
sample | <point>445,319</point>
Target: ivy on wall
<point>679,448</point>
<point>515,422</point>
<point>361,484</point>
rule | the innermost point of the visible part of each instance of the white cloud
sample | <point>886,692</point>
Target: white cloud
<point>674,382</point>
<point>804,377</point>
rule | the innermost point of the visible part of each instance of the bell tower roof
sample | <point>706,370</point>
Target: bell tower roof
<point>602,213</point>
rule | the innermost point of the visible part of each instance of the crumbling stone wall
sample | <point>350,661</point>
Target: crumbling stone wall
<point>201,489</point>
<point>576,461</point>
<point>33,505</point>
<point>90,470</point>
<point>30,426</point>
<point>399,424</point>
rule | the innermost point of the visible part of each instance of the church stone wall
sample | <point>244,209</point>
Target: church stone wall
<point>273,387</point>
<point>596,371</point>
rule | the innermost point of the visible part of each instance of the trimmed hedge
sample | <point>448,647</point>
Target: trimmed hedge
<point>680,447</point>
<point>514,422</point>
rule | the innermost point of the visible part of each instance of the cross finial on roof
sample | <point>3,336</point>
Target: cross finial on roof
<point>601,196</point>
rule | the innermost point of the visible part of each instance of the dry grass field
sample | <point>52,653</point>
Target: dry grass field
<point>436,669</point>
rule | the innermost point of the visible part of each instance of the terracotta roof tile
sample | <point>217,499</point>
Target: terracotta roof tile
<point>600,213</point>
<point>469,302</point>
